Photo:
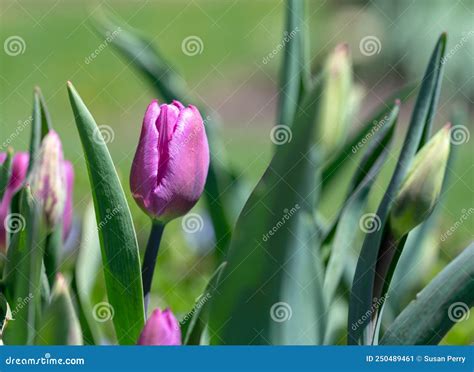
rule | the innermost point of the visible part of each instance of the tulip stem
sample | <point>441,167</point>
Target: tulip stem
<point>149,261</point>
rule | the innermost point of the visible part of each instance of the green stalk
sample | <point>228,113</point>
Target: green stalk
<point>149,261</point>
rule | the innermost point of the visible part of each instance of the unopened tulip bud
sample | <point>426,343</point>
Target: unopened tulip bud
<point>337,99</point>
<point>68,212</point>
<point>171,162</point>
<point>47,179</point>
<point>422,186</point>
<point>161,328</point>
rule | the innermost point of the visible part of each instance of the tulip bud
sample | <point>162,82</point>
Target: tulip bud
<point>337,99</point>
<point>47,179</point>
<point>18,174</point>
<point>161,328</point>
<point>171,162</point>
<point>422,185</point>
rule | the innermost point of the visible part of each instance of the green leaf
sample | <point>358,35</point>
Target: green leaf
<point>41,124</point>
<point>443,302</point>
<point>362,299</point>
<point>119,247</point>
<point>292,62</point>
<point>264,238</point>
<point>356,203</point>
<point>86,272</point>
<point>59,325</point>
<point>23,270</point>
<point>222,189</point>
<point>5,172</point>
<point>300,316</point>
<point>195,322</point>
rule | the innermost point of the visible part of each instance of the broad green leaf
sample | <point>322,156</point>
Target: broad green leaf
<point>86,272</point>
<point>356,202</point>
<point>5,172</point>
<point>336,163</point>
<point>264,238</point>
<point>300,316</point>
<point>362,295</point>
<point>443,302</point>
<point>292,66</point>
<point>119,247</point>
<point>59,325</point>
<point>222,191</point>
<point>193,328</point>
<point>23,271</point>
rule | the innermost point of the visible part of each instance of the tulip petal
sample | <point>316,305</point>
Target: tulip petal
<point>188,163</point>
<point>145,163</point>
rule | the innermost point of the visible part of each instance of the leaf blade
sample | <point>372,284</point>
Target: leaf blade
<point>120,252</point>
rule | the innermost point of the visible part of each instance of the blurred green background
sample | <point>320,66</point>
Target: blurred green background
<point>229,75</point>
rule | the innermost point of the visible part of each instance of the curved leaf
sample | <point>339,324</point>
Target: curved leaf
<point>264,239</point>
<point>362,299</point>
<point>444,301</point>
<point>120,254</point>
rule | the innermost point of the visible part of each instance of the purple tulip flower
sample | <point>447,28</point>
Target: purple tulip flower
<point>18,174</point>
<point>171,162</point>
<point>161,328</point>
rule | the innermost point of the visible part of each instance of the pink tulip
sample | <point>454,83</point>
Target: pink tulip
<point>171,162</point>
<point>18,173</point>
<point>161,328</point>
